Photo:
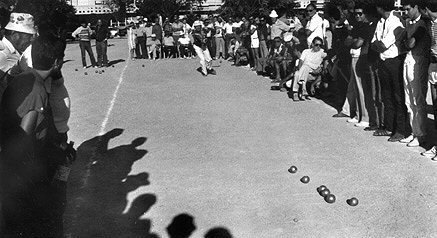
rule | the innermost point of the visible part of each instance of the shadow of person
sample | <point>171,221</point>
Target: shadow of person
<point>114,62</point>
<point>218,232</point>
<point>182,226</point>
<point>98,195</point>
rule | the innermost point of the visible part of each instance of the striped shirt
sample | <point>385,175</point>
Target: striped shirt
<point>84,33</point>
<point>434,37</point>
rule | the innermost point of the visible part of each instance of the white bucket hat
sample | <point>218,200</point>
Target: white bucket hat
<point>273,14</point>
<point>197,23</point>
<point>21,22</point>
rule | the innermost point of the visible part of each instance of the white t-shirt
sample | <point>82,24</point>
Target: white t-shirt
<point>184,40</point>
<point>228,28</point>
<point>312,58</point>
<point>218,29</point>
<point>315,25</point>
<point>254,35</point>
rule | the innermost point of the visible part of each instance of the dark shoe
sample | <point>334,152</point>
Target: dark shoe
<point>396,137</point>
<point>307,97</point>
<point>293,96</point>
<point>340,114</point>
<point>300,96</point>
<point>381,132</point>
<point>371,128</point>
<point>212,71</point>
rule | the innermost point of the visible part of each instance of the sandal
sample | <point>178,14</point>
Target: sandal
<point>381,132</point>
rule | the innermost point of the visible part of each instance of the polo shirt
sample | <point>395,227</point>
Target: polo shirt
<point>316,26</point>
<point>385,33</point>
<point>25,93</point>
<point>278,28</point>
<point>417,29</point>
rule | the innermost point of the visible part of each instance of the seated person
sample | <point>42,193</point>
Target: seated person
<point>309,68</point>
<point>184,46</point>
<point>169,45</point>
<point>154,47</point>
<point>287,62</point>
<point>275,58</point>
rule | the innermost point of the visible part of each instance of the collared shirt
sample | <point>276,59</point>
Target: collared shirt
<point>434,37</point>
<point>417,29</point>
<point>9,56</point>
<point>385,32</point>
<point>278,28</point>
<point>316,26</point>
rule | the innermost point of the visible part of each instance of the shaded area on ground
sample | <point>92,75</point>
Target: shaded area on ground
<point>98,190</point>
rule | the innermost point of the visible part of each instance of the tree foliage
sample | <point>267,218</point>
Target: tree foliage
<point>254,7</point>
<point>166,8</point>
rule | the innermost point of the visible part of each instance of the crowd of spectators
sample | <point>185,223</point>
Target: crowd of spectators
<point>369,59</point>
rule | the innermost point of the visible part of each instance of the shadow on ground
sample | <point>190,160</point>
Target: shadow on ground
<point>114,62</point>
<point>98,188</point>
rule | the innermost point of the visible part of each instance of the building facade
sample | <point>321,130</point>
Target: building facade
<point>86,7</point>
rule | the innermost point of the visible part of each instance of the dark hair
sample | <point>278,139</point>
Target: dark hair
<point>386,5</point>
<point>317,38</point>
<point>411,2</point>
<point>46,49</point>
<point>312,5</point>
<point>430,4</point>
<point>332,11</point>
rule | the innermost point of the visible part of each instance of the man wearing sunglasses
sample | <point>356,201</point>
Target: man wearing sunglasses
<point>315,25</point>
<point>359,88</point>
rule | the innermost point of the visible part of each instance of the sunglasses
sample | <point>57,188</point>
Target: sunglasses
<point>310,10</point>
<point>358,13</point>
<point>317,44</point>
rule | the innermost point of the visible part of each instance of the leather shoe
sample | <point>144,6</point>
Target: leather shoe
<point>371,128</point>
<point>340,114</point>
<point>396,137</point>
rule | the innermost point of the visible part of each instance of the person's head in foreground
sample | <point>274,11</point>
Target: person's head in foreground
<point>47,53</point>
<point>20,30</point>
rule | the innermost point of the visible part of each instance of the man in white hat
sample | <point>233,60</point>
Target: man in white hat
<point>201,49</point>
<point>280,26</point>
<point>18,35</point>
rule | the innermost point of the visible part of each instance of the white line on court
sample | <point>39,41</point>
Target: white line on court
<point>114,98</point>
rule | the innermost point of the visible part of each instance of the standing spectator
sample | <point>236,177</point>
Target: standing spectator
<point>280,25</point>
<point>102,34</point>
<point>148,33</point>
<point>386,41</point>
<point>229,34</point>
<point>360,74</point>
<point>18,36</point>
<point>416,66</point>
<point>429,8</point>
<point>263,34</point>
<point>254,41</point>
<point>202,49</point>
<point>140,46</point>
<point>83,32</point>
<point>178,29</point>
<point>315,25</point>
<point>157,30</point>
<point>219,41</point>
<point>131,40</point>
<point>25,174</point>
<point>169,45</point>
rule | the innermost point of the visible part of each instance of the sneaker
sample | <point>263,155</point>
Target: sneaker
<point>431,153</point>
<point>352,120</point>
<point>362,124</point>
<point>414,143</point>
<point>408,139</point>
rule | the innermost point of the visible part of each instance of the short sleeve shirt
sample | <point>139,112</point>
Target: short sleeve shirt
<point>25,93</point>
<point>315,25</point>
<point>312,58</point>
